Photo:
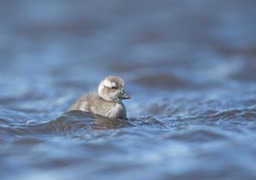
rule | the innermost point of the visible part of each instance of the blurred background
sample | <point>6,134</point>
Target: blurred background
<point>148,42</point>
<point>58,47</point>
<point>180,60</point>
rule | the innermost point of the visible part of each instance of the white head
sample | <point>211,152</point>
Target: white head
<point>112,89</point>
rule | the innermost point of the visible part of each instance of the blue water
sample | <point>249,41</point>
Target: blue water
<point>188,65</point>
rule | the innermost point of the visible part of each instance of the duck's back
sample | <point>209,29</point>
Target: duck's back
<point>95,104</point>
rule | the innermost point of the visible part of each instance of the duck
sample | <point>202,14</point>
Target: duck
<point>107,101</point>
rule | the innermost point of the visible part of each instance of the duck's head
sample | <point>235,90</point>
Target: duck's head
<point>112,89</point>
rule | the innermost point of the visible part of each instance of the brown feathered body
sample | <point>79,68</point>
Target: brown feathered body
<point>107,102</point>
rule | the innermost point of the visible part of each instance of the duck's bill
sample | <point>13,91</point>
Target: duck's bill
<point>125,96</point>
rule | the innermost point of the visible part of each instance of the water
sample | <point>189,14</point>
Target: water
<point>188,65</point>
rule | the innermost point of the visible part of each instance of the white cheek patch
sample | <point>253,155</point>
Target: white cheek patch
<point>101,93</point>
<point>100,90</point>
<point>109,84</point>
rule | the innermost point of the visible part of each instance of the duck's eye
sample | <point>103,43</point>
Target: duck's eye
<point>114,87</point>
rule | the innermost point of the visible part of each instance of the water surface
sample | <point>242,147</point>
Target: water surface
<point>189,67</point>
